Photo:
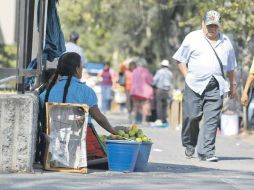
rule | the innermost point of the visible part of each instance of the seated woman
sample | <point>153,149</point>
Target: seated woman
<point>69,89</point>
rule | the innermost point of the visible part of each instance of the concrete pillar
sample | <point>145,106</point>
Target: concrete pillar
<point>18,126</point>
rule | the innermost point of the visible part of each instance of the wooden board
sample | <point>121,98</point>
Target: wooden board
<point>175,114</point>
<point>77,130</point>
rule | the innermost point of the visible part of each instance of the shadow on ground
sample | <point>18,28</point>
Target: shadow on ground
<point>236,158</point>
<point>183,169</point>
<point>177,168</point>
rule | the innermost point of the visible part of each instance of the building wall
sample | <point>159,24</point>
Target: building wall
<point>7,21</point>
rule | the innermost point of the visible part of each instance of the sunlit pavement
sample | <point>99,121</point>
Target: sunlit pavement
<point>168,168</point>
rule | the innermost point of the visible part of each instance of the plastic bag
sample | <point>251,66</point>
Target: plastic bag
<point>120,96</point>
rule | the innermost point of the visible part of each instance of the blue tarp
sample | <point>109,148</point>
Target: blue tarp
<point>94,68</point>
<point>54,42</point>
<point>55,45</point>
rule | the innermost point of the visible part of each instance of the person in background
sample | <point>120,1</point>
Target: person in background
<point>121,82</point>
<point>141,91</point>
<point>69,89</point>
<point>245,97</point>
<point>72,46</point>
<point>128,83</point>
<point>162,81</point>
<point>107,76</point>
<point>202,58</point>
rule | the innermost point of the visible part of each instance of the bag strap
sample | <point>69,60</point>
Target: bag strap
<point>221,66</point>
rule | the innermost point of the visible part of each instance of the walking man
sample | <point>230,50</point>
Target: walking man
<point>162,81</point>
<point>202,58</point>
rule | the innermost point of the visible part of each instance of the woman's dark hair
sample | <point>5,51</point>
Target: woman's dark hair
<point>107,63</point>
<point>46,75</point>
<point>67,66</point>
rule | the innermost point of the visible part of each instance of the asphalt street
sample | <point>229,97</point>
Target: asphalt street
<point>167,169</point>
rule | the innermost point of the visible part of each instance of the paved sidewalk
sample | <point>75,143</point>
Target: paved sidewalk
<point>168,168</point>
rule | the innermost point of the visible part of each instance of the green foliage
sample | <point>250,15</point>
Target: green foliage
<point>8,55</point>
<point>237,21</point>
<point>116,29</point>
<point>91,19</point>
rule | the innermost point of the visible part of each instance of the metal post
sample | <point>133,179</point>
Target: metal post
<point>43,4</point>
<point>21,40</point>
<point>25,28</point>
<point>30,31</point>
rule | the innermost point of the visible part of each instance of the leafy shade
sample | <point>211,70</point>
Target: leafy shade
<point>8,55</point>
<point>116,29</point>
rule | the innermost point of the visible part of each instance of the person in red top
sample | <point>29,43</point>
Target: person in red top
<point>141,91</point>
<point>106,88</point>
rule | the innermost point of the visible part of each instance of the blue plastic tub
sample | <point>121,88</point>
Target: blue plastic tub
<point>143,156</point>
<point>122,155</point>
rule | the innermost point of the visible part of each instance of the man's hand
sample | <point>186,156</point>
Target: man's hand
<point>249,81</point>
<point>244,99</point>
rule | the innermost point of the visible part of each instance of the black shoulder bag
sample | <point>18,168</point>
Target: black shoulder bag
<point>221,66</point>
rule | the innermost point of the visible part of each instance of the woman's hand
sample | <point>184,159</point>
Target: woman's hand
<point>244,99</point>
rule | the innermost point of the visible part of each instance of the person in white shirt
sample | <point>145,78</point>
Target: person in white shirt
<point>162,81</point>
<point>71,46</point>
<point>202,58</point>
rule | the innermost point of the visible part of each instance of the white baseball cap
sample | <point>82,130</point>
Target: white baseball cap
<point>165,63</point>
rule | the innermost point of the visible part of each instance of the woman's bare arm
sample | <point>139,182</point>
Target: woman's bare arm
<point>101,119</point>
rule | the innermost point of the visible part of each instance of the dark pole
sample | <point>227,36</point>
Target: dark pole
<point>30,31</point>
<point>25,30</point>
<point>21,41</point>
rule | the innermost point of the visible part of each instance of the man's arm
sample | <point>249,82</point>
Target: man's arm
<point>244,98</point>
<point>183,69</point>
<point>232,81</point>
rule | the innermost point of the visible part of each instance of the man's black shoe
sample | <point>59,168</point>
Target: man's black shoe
<point>208,158</point>
<point>212,159</point>
<point>189,152</point>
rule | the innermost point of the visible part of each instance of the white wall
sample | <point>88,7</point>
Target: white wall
<point>7,21</point>
<point>35,32</point>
